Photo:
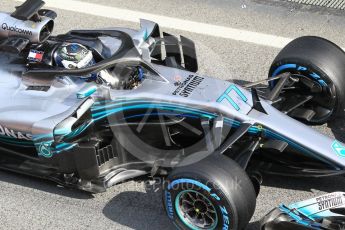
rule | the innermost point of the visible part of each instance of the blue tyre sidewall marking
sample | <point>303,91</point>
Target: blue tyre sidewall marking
<point>297,67</point>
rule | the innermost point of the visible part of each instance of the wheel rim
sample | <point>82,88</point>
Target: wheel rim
<point>322,103</point>
<point>195,210</point>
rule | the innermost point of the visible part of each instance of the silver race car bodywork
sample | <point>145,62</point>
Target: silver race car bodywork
<point>56,125</point>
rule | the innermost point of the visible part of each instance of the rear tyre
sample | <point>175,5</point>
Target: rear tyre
<point>215,193</point>
<point>318,65</point>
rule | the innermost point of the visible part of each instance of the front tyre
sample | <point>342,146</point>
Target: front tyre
<point>318,67</point>
<point>214,193</point>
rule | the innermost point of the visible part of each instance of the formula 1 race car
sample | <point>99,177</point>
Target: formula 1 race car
<point>324,212</point>
<point>92,108</point>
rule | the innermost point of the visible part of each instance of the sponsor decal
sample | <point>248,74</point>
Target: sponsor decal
<point>14,134</point>
<point>178,78</point>
<point>186,87</point>
<point>16,29</point>
<point>182,84</point>
<point>338,148</point>
<point>329,201</point>
<point>35,56</point>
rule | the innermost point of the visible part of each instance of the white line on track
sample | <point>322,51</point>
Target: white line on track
<point>170,22</point>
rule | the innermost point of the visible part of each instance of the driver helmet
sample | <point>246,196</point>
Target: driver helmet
<point>74,56</point>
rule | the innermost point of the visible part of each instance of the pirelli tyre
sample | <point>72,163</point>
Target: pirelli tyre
<point>317,67</point>
<point>214,193</point>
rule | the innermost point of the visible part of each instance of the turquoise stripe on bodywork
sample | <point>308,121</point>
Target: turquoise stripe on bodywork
<point>201,113</point>
<point>104,114</point>
<point>101,111</point>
